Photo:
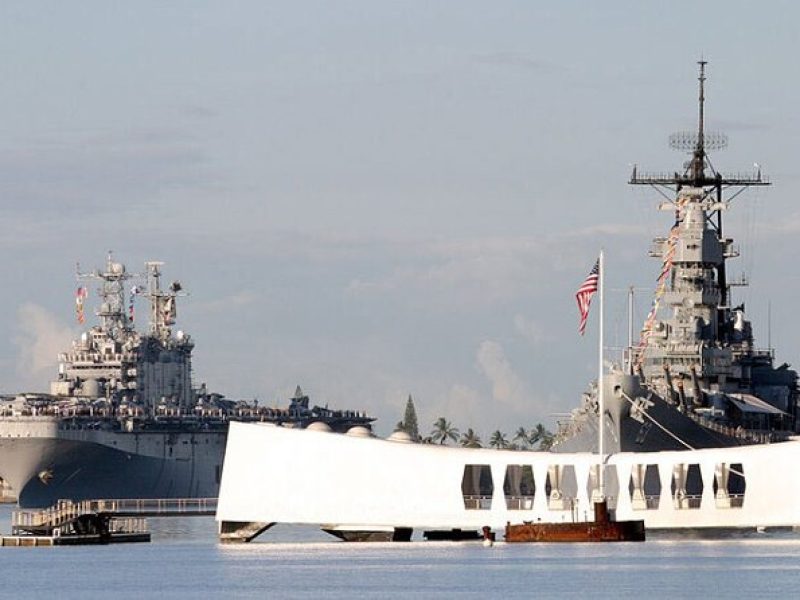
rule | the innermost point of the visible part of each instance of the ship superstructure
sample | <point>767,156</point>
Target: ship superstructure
<point>123,418</point>
<point>696,378</point>
<point>133,372</point>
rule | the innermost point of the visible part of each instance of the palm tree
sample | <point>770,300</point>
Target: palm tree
<point>547,440</point>
<point>542,436</point>
<point>522,438</point>
<point>536,434</point>
<point>470,439</point>
<point>443,430</point>
<point>498,440</point>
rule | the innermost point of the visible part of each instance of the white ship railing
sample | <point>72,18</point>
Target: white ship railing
<point>519,502</point>
<point>479,502</point>
<point>687,501</point>
<point>730,501</point>
<point>652,501</point>
<point>66,510</point>
<point>128,525</point>
<point>160,506</point>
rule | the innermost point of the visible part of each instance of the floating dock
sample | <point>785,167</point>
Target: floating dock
<point>74,523</point>
<point>32,541</point>
<point>106,521</point>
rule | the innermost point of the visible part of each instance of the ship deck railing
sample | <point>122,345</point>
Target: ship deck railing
<point>647,502</point>
<point>159,506</point>
<point>687,501</point>
<point>66,510</point>
<point>128,525</point>
<point>729,501</point>
<point>516,502</point>
<point>477,502</point>
<point>759,436</point>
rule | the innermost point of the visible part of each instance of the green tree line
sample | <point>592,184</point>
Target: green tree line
<point>443,432</point>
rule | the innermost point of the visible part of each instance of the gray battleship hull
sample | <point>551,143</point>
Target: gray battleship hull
<point>87,465</point>
<point>624,433</point>
<point>649,424</point>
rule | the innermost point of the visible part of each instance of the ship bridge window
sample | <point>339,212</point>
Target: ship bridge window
<point>645,487</point>
<point>519,487</point>
<point>561,487</point>
<point>729,485</point>
<point>611,485</point>
<point>477,487</point>
<point>687,486</point>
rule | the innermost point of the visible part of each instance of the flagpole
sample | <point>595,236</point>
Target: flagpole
<point>630,330</point>
<point>601,405</point>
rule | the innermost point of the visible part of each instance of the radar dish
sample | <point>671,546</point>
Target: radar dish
<point>686,141</point>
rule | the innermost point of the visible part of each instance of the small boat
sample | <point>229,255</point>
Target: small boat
<point>601,529</point>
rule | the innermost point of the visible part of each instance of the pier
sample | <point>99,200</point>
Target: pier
<point>106,521</point>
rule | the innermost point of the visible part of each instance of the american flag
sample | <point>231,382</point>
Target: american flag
<point>585,293</point>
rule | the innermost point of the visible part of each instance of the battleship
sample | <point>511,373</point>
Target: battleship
<point>696,378</point>
<point>123,418</point>
<point>696,428</point>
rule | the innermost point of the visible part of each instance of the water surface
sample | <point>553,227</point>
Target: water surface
<point>185,561</point>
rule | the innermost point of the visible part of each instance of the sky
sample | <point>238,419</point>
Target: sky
<point>377,199</point>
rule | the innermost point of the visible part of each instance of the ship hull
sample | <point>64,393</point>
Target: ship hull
<point>80,465</point>
<point>373,483</point>
<point>615,531</point>
<point>664,428</point>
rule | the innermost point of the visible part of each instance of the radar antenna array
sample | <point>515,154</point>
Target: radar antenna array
<point>688,141</point>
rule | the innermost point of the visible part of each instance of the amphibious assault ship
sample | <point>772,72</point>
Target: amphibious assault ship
<point>123,418</point>
<point>696,378</point>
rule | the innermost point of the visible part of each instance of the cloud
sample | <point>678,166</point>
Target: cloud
<point>463,401</point>
<point>77,174</point>
<point>610,230</point>
<point>513,59</point>
<point>787,225</point>
<point>738,125</point>
<point>197,111</point>
<point>238,300</point>
<point>507,387</point>
<point>486,270</point>
<point>40,338</point>
<point>529,329</point>
<point>512,396</point>
<point>478,271</point>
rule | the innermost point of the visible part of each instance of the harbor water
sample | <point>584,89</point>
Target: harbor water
<point>184,560</point>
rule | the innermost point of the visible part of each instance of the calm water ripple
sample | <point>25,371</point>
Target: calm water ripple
<point>184,561</point>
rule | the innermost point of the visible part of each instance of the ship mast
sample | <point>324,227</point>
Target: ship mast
<point>601,405</point>
<point>698,144</point>
<point>705,183</point>
<point>163,310</point>
<point>698,161</point>
<point>113,319</point>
